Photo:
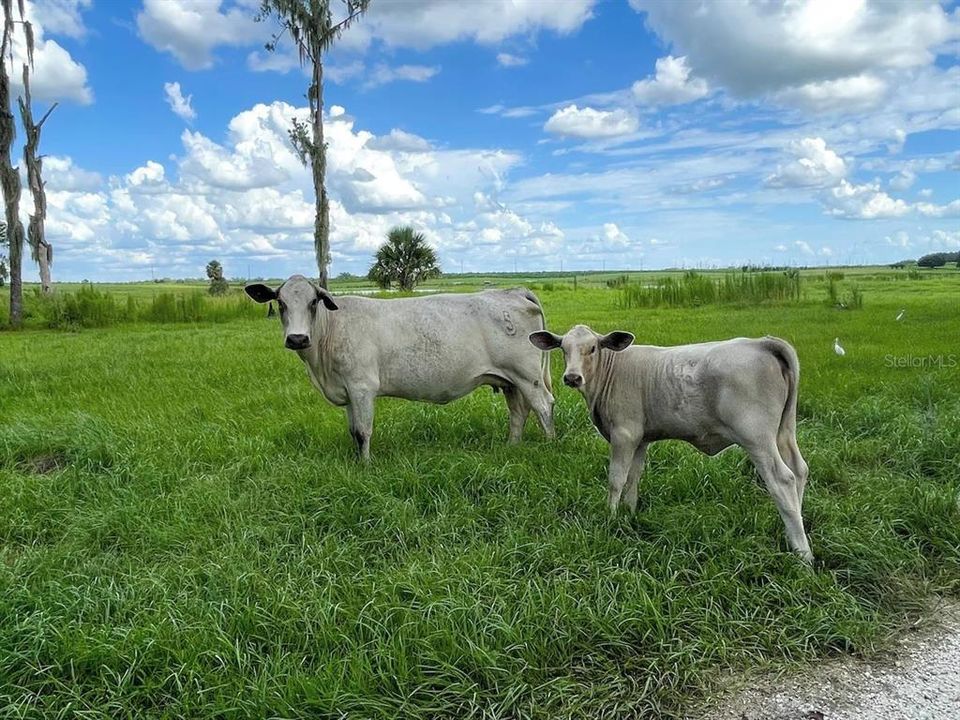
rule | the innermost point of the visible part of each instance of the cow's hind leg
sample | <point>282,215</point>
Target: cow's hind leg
<point>519,410</point>
<point>360,420</point>
<point>633,477</point>
<point>783,487</point>
<point>790,453</point>
<point>540,399</point>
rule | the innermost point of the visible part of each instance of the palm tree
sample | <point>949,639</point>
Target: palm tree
<point>405,259</point>
<point>312,28</point>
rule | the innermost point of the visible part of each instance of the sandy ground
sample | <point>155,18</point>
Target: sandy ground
<point>918,678</point>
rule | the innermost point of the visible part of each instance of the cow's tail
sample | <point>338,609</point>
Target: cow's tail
<point>790,366</point>
<point>545,357</point>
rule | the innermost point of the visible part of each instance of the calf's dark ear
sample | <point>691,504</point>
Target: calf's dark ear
<point>260,293</point>
<point>617,340</point>
<point>545,340</point>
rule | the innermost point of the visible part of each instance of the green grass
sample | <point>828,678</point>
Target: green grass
<point>184,531</point>
<point>694,289</point>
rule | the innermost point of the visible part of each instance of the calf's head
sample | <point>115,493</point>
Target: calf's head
<point>299,302</point>
<point>581,350</point>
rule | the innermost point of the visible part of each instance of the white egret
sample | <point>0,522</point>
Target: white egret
<point>837,348</point>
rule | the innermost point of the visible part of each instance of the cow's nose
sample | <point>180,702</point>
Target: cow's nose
<point>297,342</point>
<point>574,380</point>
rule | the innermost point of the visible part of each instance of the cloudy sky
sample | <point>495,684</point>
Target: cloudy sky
<point>513,133</point>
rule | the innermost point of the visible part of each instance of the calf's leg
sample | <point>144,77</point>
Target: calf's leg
<point>633,477</point>
<point>782,486</point>
<point>621,458</point>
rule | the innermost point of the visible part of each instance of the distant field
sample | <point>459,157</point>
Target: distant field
<point>184,531</point>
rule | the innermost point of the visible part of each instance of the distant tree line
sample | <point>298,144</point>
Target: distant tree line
<point>938,259</point>
<point>932,260</point>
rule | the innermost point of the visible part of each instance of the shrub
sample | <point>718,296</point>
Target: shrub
<point>852,299</point>
<point>86,308</point>
<point>694,289</point>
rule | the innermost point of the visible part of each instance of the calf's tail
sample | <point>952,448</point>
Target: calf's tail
<point>790,366</point>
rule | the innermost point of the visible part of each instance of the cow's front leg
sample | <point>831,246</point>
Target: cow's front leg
<point>633,477</point>
<point>518,413</point>
<point>621,456</point>
<point>360,419</point>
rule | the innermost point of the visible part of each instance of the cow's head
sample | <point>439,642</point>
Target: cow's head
<point>581,347</point>
<point>299,302</point>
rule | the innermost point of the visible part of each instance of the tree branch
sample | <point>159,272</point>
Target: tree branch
<point>45,116</point>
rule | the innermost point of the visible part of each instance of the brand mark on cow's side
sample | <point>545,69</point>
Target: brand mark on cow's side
<point>508,323</point>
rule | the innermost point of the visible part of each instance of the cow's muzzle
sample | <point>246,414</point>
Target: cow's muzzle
<point>297,342</point>
<point>573,380</point>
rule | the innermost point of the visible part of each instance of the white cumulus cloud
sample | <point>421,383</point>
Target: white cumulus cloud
<point>590,124</point>
<point>191,29</point>
<point>753,47</point>
<point>382,74</point>
<point>672,84</point>
<point>56,75</point>
<point>180,105</point>
<point>508,60</point>
<point>815,165</point>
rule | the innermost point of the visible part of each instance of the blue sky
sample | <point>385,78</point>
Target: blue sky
<point>513,133</point>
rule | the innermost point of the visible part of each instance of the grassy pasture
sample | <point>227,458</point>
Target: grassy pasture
<point>184,531</point>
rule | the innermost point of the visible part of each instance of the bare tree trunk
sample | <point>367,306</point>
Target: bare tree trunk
<point>45,260</point>
<point>318,156</point>
<point>10,178</point>
<point>40,249</point>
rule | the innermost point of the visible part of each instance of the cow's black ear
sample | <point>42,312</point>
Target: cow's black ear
<point>260,293</point>
<point>545,340</point>
<point>617,340</point>
<point>327,299</point>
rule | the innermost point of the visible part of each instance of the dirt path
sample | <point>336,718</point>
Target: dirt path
<point>917,679</point>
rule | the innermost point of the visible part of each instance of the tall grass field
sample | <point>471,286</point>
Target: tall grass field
<point>185,533</point>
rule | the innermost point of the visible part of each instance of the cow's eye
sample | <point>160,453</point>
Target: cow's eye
<point>313,303</point>
<point>282,306</point>
<point>592,350</point>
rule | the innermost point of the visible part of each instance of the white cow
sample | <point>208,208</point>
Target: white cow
<point>435,349</point>
<point>713,395</point>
